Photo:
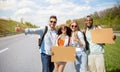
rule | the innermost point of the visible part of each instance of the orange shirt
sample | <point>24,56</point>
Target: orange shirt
<point>60,42</point>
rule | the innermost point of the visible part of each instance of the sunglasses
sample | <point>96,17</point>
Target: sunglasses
<point>53,22</point>
<point>63,28</point>
<point>73,26</point>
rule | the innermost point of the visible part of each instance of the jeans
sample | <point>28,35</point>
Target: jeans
<point>47,65</point>
<point>81,62</point>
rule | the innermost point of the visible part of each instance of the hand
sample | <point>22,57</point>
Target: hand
<point>114,37</point>
<point>19,29</point>
<point>74,55</point>
<point>76,39</point>
<point>52,53</point>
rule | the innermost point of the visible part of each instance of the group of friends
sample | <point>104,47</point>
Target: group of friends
<point>69,36</point>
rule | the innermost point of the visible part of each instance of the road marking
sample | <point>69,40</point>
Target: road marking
<point>3,50</point>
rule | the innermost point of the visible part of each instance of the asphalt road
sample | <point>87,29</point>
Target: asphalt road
<point>20,53</point>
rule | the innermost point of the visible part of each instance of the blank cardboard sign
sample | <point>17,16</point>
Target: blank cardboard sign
<point>102,35</point>
<point>63,54</point>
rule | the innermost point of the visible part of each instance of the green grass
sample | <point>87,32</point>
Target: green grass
<point>7,27</point>
<point>112,56</point>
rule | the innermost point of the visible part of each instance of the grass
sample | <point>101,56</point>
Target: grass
<point>7,27</point>
<point>112,57</point>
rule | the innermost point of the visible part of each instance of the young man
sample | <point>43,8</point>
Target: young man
<point>48,42</point>
<point>96,55</point>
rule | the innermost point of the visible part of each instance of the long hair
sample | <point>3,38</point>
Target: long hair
<point>75,21</point>
<point>68,30</point>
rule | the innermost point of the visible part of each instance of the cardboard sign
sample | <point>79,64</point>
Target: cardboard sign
<point>63,54</point>
<point>102,35</point>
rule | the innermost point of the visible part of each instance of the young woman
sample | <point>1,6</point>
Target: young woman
<point>78,42</point>
<point>63,39</point>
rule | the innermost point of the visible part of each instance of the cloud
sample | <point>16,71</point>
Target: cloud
<point>88,1</point>
<point>23,11</point>
<point>40,16</point>
<point>7,4</point>
<point>27,3</point>
<point>38,11</point>
<point>64,11</point>
<point>54,1</point>
<point>26,13</point>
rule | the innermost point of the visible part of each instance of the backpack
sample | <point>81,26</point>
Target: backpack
<point>40,40</point>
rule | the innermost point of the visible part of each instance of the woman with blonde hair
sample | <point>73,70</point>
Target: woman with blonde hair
<point>78,42</point>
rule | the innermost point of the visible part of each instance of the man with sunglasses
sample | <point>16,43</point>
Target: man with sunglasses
<point>47,43</point>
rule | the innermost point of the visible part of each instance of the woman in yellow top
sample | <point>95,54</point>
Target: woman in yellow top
<point>63,39</point>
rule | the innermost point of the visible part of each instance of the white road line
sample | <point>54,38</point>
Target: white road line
<point>3,50</point>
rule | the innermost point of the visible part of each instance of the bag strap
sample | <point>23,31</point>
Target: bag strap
<point>46,29</point>
<point>84,34</point>
<point>69,41</point>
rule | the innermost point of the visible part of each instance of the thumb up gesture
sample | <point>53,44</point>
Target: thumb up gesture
<point>19,29</point>
<point>75,36</point>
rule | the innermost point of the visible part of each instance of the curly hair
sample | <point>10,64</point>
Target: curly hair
<point>68,31</point>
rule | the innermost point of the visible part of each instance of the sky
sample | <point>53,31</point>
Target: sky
<point>38,11</point>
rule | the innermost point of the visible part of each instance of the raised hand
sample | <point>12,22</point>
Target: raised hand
<point>76,37</point>
<point>19,29</point>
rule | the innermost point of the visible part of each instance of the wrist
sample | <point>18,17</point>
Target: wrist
<point>77,40</point>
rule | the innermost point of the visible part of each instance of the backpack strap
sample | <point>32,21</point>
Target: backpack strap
<point>85,39</point>
<point>84,33</point>
<point>69,41</point>
<point>46,29</point>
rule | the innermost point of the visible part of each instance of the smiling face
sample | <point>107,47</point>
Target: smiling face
<point>89,22</point>
<point>52,23</point>
<point>63,29</point>
<point>73,26</point>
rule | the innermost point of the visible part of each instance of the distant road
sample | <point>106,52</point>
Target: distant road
<point>117,33</point>
<point>20,53</point>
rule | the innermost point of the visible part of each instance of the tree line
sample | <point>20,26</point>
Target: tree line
<point>106,18</point>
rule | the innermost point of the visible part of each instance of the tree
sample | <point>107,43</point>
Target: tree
<point>68,22</point>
